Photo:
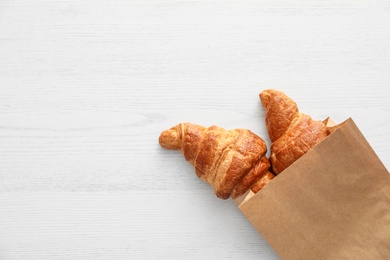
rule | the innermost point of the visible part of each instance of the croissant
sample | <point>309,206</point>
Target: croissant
<point>292,133</point>
<point>231,161</point>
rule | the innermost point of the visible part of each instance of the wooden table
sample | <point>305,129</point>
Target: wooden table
<point>86,87</point>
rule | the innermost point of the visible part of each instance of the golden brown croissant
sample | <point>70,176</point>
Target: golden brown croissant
<point>291,132</point>
<point>231,161</point>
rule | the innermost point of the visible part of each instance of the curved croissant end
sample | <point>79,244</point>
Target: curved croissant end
<point>280,112</point>
<point>265,97</point>
<point>172,138</point>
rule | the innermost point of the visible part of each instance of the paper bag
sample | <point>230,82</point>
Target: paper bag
<point>332,203</point>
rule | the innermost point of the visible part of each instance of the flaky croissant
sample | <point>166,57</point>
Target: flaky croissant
<point>231,161</point>
<point>291,132</point>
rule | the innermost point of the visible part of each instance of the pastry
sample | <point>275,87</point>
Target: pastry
<point>231,161</point>
<point>292,133</point>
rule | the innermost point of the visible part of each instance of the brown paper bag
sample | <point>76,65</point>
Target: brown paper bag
<point>332,203</point>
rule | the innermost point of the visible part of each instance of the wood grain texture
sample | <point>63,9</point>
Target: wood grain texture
<point>86,87</point>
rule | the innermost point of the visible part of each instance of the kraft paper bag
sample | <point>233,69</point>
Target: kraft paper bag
<point>332,203</point>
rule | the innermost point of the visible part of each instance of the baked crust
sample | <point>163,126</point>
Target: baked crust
<point>291,132</point>
<point>231,161</point>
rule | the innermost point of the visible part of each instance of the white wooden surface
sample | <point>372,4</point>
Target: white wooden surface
<point>87,86</point>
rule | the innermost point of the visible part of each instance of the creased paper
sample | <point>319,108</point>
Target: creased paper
<point>332,203</point>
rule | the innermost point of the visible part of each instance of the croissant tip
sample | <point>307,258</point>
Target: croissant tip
<point>265,97</point>
<point>170,139</point>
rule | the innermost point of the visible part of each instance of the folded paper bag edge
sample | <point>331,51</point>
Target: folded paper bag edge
<point>271,196</point>
<point>332,127</point>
